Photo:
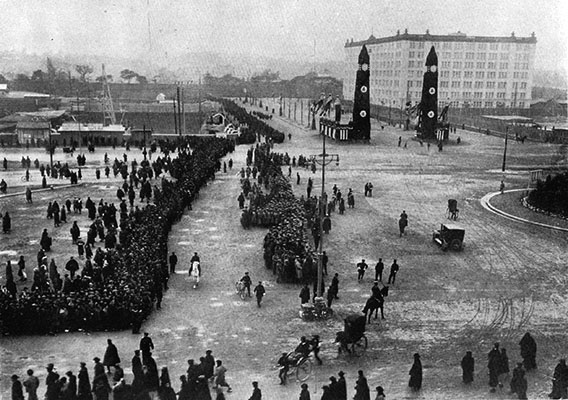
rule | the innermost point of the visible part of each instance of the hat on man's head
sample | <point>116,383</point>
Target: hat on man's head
<point>96,359</point>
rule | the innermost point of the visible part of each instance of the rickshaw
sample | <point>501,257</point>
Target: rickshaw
<point>352,339</point>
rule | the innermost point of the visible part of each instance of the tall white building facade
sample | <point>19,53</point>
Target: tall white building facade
<point>474,71</point>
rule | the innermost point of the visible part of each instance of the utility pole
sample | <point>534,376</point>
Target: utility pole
<point>505,150</point>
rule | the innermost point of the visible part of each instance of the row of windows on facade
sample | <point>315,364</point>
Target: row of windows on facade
<point>457,103</point>
<point>482,46</point>
<point>455,74</point>
<point>447,84</point>
<point>446,55</point>
<point>454,95</point>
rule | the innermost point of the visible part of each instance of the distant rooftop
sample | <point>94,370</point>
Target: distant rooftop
<point>452,37</point>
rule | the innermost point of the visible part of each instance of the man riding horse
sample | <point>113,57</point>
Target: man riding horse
<point>376,302</point>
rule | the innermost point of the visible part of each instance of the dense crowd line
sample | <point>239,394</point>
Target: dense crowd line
<point>119,286</point>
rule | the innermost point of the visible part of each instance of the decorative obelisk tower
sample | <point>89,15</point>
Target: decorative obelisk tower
<point>361,101</point>
<point>429,102</point>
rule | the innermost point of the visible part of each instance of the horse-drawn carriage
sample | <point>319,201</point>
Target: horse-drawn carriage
<point>352,339</point>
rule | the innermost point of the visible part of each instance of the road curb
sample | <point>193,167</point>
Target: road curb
<point>487,205</point>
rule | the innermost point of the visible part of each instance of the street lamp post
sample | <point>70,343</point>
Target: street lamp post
<point>323,160</point>
<point>505,150</point>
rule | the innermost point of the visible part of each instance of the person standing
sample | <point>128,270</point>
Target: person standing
<point>259,292</point>
<point>305,294</point>
<point>52,383</point>
<point>519,382</point>
<point>173,262</point>
<point>17,390</point>
<point>146,346</point>
<point>304,393</point>
<point>361,267</point>
<point>284,366</point>
<point>247,282</point>
<point>324,261</point>
<point>494,366</point>
<point>379,270</point>
<point>528,351</point>
<point>31,384</point>
<point>380,393</point>
<point>468,366</point>
<point>341,392</point>
<point>256,393</point>
<point>560,381</point>
<point>415,382</point>
<point>84,386</point>
<point>393,271</point>
<point>362,391</point>
<point>503,368</point>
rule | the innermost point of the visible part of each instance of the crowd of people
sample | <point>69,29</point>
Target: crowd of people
<point>117,289</point>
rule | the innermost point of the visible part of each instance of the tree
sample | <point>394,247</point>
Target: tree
<point>51,70</point>
<point>128,75</point>
<point>39,75</point>
<point>22,78</point>
<point>84,71</point>
<point>141,79</point>
<point>3,79</point>
<point>100,78</point>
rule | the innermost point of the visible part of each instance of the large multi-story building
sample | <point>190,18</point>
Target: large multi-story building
<point>474,71</point>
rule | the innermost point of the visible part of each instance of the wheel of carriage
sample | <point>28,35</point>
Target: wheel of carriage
<point>360,346</point>
<point>304,369</point>
<point>456,245</point>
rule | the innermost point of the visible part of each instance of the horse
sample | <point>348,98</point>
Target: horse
<point>195,272</point>
<point>374,304</point>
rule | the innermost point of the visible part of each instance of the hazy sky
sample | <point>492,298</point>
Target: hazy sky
<point>286,28</point>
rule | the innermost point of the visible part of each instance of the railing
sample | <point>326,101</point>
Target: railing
<point>335,130</point>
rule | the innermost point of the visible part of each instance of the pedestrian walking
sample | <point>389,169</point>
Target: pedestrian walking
<point>519,382</point>
<point>361,268</point>
<point>31,383</point>
<point>17,390</point>
<point>146,346</point>
<point>415,382</point>
<point>402,223</point>
<point>304,393</point>
<point>283,367</point>
<point>173,262</point>
<point>362,391</point>
<point>111,357</point>
<point>259,292</point>
<point>393,271</point>
<point>560,381</point>
<point>219,376</point>
<point>494,366</point>
<point>305,294</point>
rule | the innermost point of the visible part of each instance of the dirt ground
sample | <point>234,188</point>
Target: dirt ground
<point>510,277</point>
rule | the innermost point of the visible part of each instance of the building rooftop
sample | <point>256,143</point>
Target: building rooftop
<point>452,37</point>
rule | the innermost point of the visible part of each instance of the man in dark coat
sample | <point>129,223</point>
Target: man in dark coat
<point>72,266</point>
<point>31,384</point>
<point>494,366</point>
<point>71,389</point>
<point>137,372</point>
<point>17,390</point>
<point>146,346</point>
<point>111,357</point>
<point>393,271</point>
<point>259,292</point>
<point>341,392</point>
<point>335,286</point>
<point>305,393</point>
<point>468,366</point>
<point>173,262</point>
<point>84,387</point>
<point>361,268</point>
<point>305,294</point>
<point>6,223</point>
<point>362,391</point>
<point>519,382</point>
<point>528,351</point>
<point>256,393</point>
<point>415,382</point>
<point>560,381</point>
<point>208,364</point>
<point>52,383</point>
<point>75,232</point>
<point>379,270</point>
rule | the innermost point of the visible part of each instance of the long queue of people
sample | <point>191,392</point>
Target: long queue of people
<point>123,285</point>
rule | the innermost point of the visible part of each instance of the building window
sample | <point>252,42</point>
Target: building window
<point>479,85</point>
<point>480,65</point>
<point>457,64</point>
<point>467,95</point>
<point>505,46</point>
<point>488,104</point>
<point>444,84</point>
<point>410,64</point>
<point>522,104</point>
<point>470,46</point>
<point>420,45</point>
<point>503,65</point>
<point>412,45</point>
<point>523,85</point>
<point>490,85</point>
<point>504,56</point>
<point>446,55</point>
<point>455,95</point>
<point>468,65</point>
<point>491,75</point>
<point>489,95</point>
<point>468,74</point>
<point>479,74</point>
<point>502,85</point>
<point>494,46</point>
<point>458,46</point>
<point>481,56</point>
<point>482,46</point>
<point>478,95</point>
<point>456,84</point>
<point>502,75</point>
<point>410,54</point>
<point>445,74</point>
<point>467,84</point>
<point>491,65</point>
<point>458,56</point>
<point>522,95</point>
<point>477,104</point>
<point>445,64</point>
<point>492,56</point>
<point>469,55</point>
<point>501,95</point>
<point>456,74</point>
